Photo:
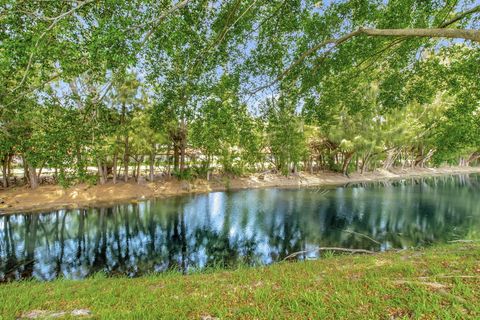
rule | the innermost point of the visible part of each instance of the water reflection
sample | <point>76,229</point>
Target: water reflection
<point>224,229</point>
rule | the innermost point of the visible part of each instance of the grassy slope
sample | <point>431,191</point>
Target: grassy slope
<point>383,286</point>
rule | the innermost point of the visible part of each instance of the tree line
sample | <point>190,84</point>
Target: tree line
<point>98,91</point>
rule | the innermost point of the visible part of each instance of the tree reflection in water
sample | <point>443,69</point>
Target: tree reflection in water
<point>223,229</point>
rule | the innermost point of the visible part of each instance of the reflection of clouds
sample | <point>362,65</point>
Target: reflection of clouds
<point>222,229</point>
<point>216,203</point>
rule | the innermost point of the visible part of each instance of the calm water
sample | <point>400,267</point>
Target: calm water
<point>226,228</point>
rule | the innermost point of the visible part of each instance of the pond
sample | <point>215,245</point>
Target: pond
<point>225,229</point>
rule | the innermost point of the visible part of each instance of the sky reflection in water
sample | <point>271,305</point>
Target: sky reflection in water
<point>223,229</point>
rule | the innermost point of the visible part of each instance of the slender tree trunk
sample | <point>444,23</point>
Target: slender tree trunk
<point>26,176</point>
<point>183,145</point>
<point>391,157</point>
<point>9,166</point>
<point>114,170</point>
<point>473,157</point>
<point>208,167</point>
<point>423,158</point>
<point>364,163</point>
<point>152,164</point>
<point>138,175</point>
<point>182,157</point>
<point>320,162</point>
<point>427,157</point>
<point>125,154</point>
<point>168,161</point>
<point>105,171</point>
<point>346,162</point>
<point>80,166</point>
<point>40,171</point>
<point>175,157</point>
<point>5,172</point>
<point>126,158</point>
<point>101,173</point>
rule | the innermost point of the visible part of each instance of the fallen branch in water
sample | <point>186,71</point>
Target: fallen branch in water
<point>329,249</point>
<point>463,241</point>
<point>362,235</point>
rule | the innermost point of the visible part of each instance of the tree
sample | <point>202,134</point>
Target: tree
<point>285,135</point>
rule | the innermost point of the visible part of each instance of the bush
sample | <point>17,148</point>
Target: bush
<point>188,174</point>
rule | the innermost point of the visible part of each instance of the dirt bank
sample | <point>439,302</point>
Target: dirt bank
<point>46,198</point>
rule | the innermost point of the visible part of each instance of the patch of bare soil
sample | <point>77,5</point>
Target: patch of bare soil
<point>43,314</point>
<point>24,199</point>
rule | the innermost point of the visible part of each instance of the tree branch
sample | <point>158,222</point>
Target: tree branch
<point>328,249</point>
<point>307,53</point>
<point>440,32</point>
<point>53,24</point>
<point>176,7</point>
<point>467,34</point>
<point>460,16</point>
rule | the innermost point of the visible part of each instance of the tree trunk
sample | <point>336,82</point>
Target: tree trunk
<point>175,157</point>
<point>427,157</point>
<point>473,157</point>
<point>207,165</point>
<point>405,159</point>
<point>33,177</point>
<point>365,160</point>
<point>125,154</point>
<point>152,166</point>
<point>40,171</point>
<point>182,158</point>
<point>101,172</point>
<point>168,161</point>
<point>126,158</point>
<point>5,172</point>
<point>419,158</point>
<point>138,174</point>
<point>114,170</point>
<point>25,170</point>
<point>346,162</point>
<point>392,155</point>
<point>9,167</point>
<point>183,145</point>
<point>80,167</point>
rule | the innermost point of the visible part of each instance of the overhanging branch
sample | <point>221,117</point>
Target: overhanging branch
<point>440,32</point>
<point>174,8</point>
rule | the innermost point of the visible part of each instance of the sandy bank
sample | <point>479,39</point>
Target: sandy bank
<point>50,197</point>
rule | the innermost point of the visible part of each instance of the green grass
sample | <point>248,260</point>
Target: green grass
<point>420,284</point>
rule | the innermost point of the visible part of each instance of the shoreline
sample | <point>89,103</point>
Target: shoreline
<point>54,197</point>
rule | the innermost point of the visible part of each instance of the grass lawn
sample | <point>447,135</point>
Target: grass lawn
<point>440,282</point>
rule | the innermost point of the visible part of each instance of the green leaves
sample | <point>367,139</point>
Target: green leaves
<point>183,74</point>
<point>285,134</point>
